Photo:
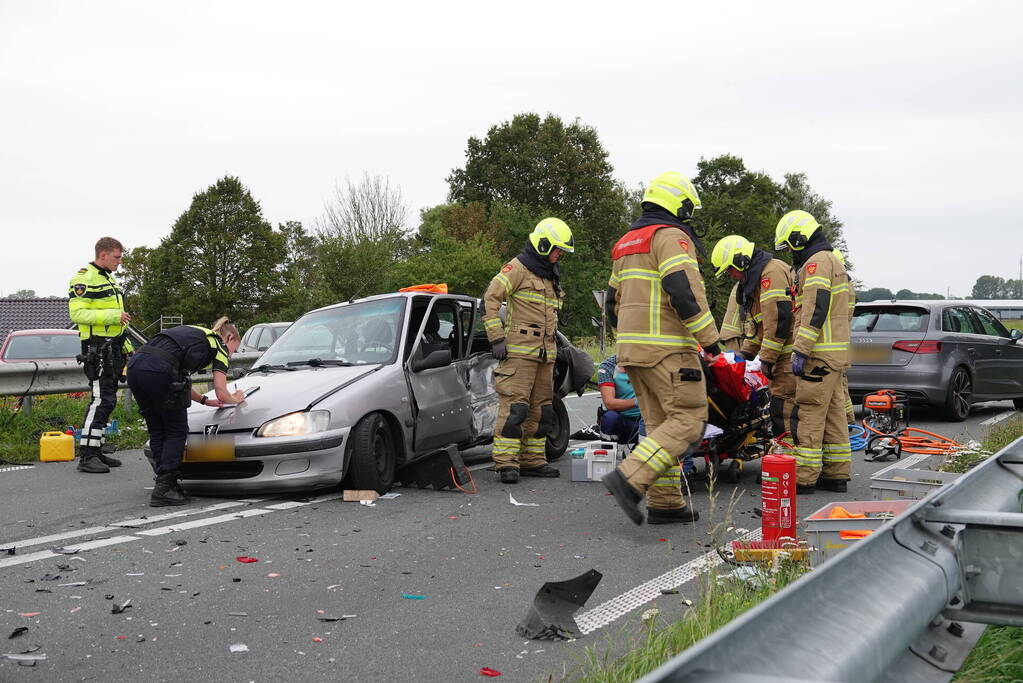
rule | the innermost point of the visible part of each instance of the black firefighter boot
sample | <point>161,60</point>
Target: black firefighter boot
<point>675,516</point>
<point>544,470</point>
<point>166,491</point>
<point>105,458</point>
<point>89,461</point>
<point>836,485</point>
<point>626,496</point>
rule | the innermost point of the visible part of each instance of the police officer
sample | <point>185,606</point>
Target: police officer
<point>158,377</point>
<point>525,346</point>
<point>96,304</point>
<point>820,355</point>
<point>765,309</point>
<point>657,302</point>
<point>731,329</point>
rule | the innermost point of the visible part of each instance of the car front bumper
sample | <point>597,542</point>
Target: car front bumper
<point>270,464</point>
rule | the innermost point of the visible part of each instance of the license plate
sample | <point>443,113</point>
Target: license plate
<point>210,450</point>
<point>871,355</point>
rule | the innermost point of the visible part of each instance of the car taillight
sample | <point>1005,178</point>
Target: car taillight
<point>918,346</point>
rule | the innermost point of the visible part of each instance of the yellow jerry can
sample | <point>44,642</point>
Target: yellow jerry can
<point>56,447</point>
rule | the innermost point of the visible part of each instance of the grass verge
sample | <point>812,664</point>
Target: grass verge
<point>19,433</point>
<point>998,656</point>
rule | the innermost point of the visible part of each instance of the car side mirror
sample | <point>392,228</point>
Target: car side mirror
<point>436,359</point>
<point>1016,335</point>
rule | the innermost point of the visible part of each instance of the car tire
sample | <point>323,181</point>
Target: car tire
<point>557,439</point>
<point>960,395</point>
<point>372,455</point>
<point>1017,403</point>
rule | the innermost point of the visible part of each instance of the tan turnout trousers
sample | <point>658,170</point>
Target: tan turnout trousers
<point>673,399</point>
<point>819,424</point>
<point>523,386</point>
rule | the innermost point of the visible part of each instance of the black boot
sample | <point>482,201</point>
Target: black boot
<point>802,489</point>
<point>836,485</point>
<point>89,461</point>
<point>166,491</point>
<point>108,461</point>
<point>541,471</point>
<point>678,516</point>
<point>626,496</point>
<point>509,475</point>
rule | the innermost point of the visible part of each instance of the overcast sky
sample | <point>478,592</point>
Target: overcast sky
<point>906,115</point>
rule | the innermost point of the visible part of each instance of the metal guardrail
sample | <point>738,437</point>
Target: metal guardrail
<point>905,604</point>
<point>61,377</point>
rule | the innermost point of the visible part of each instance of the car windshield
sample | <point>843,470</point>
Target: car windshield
<point>33,346</point>
<point>359,334</point>
<point>889,319</point>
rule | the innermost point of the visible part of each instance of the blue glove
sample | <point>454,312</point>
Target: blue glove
<point>798,363</point>
<point>500,349</point>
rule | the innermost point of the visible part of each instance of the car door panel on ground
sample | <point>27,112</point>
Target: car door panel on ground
<point>1002,357</point>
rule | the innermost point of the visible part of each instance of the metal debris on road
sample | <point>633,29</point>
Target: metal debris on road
<point>117,609</point>
<point>511,499</point>
<point>239,647</point>
<point>17,632</point>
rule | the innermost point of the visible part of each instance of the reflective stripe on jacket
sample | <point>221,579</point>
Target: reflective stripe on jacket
<point>95,302</point>
<point>822,297</point>
<point>764,336</point>
<point>531,312</point>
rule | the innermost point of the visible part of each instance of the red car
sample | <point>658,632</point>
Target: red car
<point>22,346</point>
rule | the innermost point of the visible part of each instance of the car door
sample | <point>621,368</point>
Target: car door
<point>1005,354</point>
<point>981,349</point>
<point>479,363</point>
<point>443,415</point>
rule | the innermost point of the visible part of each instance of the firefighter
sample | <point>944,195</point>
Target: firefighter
<point>96,304</point>
<point>765,309</point>
<point>158,378</point>
<point>524,344</point>
<point>731,330</point>
<point>657,303</point>
<point>819,357</point>
<point>850,412</point>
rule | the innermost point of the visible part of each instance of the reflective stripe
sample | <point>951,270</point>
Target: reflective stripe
<point>505,281</point>
<point>653,455</point>
<point>831,346</point>
<point>819,281</point>
<point>536,445</point>
<point>492,323</point>
<point>771,344</point>
<point>672,477</point>
<point>526,350</point>
<point>539,298</point>
<point>701,322</point>
<point>655,339</point>
<point>669,263</point>
<point>638,274</point>
<point>808,333</point>
<point>758,317</point>
<point>727,327</point>
<point>769,294</point>
<point>614,281</point>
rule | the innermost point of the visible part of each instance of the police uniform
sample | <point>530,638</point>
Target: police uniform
<point>767,319</point>
<point>158,378</point>
<point>731,327</point>
<point>95,304</point>
<point>661,315</point>
<point>525,379</point>
<point>818,419</point>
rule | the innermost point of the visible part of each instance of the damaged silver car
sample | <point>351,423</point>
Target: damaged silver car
<point>361,392</point>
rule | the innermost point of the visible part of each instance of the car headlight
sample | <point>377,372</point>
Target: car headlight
<point>295,424</point>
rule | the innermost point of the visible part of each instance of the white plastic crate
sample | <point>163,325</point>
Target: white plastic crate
<point>911,484</point>
<point>825,533</point>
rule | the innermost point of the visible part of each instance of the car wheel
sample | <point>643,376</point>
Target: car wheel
<point>960,395</point>
<point>557,439</point>
<point>1018,403</point>
<point>372,455</point>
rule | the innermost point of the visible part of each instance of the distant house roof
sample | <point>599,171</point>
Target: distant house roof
<point>33,314</point>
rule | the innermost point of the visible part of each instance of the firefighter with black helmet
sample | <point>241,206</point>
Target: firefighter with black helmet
<point>525,346</point>
<point>765,311</point>
<point>820,355</point>
<point>657,302</point>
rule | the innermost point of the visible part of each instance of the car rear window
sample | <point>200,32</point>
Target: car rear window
<point>889,319</point>
<point>32,346</point>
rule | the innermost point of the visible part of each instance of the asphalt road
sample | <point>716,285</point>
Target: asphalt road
<point>434,582</point>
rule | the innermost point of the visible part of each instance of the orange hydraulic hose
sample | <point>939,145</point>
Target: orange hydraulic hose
<point>931,444</point>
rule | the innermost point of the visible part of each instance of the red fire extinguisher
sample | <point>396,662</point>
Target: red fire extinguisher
<point>778,496</point>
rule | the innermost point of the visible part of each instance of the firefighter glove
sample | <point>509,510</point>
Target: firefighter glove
<point>500,349</point>
<point>798,361</point>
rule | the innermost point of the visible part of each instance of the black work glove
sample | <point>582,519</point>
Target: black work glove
<point>500,349</point>
<point>713,350</point>
<point>767,369</point>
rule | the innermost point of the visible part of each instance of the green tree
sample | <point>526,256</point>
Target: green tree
<point>132,276</point>
<point>798,194</point>
<point>534,167</point>
<point>990,287</point>
<point>875,294</point>
<point>303,288</point>
<point>362,236</point>
<point>22,294</point>
<point>221,257</point>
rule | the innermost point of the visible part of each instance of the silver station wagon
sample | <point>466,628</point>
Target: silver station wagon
<point>949,354</point>
<point>358,391</point>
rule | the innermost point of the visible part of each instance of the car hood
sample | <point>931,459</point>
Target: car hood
<point>279,393</point>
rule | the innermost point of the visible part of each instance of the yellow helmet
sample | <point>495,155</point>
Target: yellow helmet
<point>794,230</point>
<point>550,233</point>
<point>734,250</point>
<point>674,192</point>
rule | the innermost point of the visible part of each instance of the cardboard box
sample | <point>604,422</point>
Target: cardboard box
<point>354,496</point>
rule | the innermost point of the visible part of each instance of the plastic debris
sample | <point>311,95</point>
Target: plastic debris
<point>511,499</point>
<point>74,583</point>
<point>246,560</point>
<point>181,541</point>
<point>65,551</point>
<point>317,639</point>
<point>29,614</point>
<point>487,671</point>
<point>237,614</point>
<point>239,647</point>
<point>551,615</point>
<point>669,591</point>
<point>410,596</point>
<point>10,550</point>
<point>17,632</point>
<point>118,609</point>
<point>272,575</point>
<point>389,496</point>
<point>368,503</point>
<point>24,657</point>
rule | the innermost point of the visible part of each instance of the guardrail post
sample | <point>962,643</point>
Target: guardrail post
<point>26,406</point>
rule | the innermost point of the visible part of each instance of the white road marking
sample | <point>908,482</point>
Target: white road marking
<point>23,559</point>
<point>615,608</point>
<point>998,418</point>
<point>43,540</point>
<point>102,543</point>
<point>146,521</point>
<point>196,523</point>
<point>16,468</point>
